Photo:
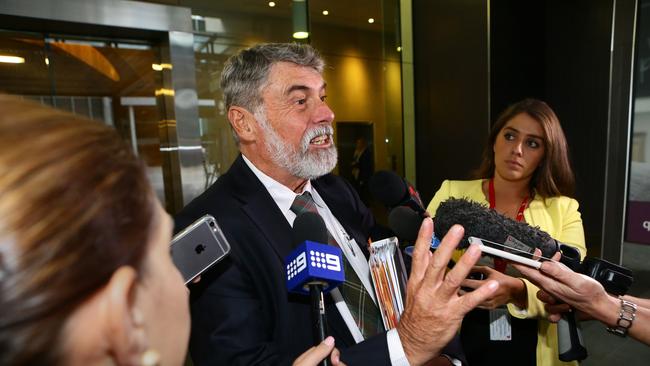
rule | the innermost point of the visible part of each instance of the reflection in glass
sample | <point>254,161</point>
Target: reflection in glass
<point>107,80</point>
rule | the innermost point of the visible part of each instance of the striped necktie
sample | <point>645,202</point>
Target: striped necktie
<point>363,309</point>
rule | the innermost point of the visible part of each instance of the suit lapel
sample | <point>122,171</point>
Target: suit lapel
<point>258,205</point>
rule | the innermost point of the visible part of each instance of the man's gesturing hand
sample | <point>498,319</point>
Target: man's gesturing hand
<point>434,309</point>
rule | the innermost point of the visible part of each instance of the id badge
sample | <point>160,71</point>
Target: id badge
<point>500,327</point>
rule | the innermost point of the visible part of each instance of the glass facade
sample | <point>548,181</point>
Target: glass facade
<point>133,72</point>
<point>107,80</point>
<point>363,70</point>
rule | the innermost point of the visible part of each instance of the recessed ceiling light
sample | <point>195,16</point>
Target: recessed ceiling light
<point>161,67</point>
<point>12,59</point>
<point>371,20</point>
<point>325,12</point>
<point>271,3</point>
<point>301,35</point>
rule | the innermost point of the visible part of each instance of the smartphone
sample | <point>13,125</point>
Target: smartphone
<point>503,254</point>
<point>198,247</point>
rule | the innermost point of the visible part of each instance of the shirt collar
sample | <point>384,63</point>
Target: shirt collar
<point>281,194</point>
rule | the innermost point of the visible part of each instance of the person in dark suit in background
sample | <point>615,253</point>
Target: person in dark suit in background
<point>241,312</point>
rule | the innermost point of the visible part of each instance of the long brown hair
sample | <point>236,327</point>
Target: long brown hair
<point>75,205</point>
<point>553,176</point>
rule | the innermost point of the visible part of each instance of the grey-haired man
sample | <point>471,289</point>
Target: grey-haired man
<point>242,315</point>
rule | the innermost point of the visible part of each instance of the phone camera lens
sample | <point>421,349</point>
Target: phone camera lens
<point>212,223</point>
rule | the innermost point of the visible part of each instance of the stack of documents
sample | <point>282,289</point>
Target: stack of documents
<point>389,279</point>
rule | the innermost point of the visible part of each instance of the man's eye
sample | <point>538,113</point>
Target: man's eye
<point>301,101</point>
<point>323,98</point>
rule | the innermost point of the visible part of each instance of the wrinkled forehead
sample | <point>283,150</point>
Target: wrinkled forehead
<point>286,77</point>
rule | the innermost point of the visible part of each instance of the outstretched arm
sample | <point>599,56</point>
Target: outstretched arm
<point>587,295</point>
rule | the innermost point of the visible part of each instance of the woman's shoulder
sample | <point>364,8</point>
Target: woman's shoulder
<point>458,189</point>
<point>562,203</point>
<point>461,185</point>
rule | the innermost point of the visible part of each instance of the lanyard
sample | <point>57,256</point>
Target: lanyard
<point>500,264</point>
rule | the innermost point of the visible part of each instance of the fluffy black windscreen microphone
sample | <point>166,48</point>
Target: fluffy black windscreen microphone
<point>481,222</point>
<point>405,223</point>
<point>309,226</point>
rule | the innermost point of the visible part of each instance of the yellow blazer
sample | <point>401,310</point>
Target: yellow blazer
<point>560,218</point>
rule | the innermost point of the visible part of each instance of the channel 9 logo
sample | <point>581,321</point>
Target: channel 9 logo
<point>318,259</point>
<point>314,262</point>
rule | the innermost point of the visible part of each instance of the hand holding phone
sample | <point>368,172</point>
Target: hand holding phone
<point>198,247</point>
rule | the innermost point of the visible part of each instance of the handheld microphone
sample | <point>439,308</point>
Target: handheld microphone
<point>392,190</point>
<point>405,223</point>
<point>482,222</point>
<point>522,238</point>
<point>314,268</point>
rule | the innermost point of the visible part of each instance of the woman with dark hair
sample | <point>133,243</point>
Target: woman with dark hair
<point>86,276</point>
<point>525,175</point>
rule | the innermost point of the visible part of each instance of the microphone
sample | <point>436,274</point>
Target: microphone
<point>392,190</point>
<point>482,222</point>
<point>314,268</point>
<point>380,232</point>
<point>405,223</point>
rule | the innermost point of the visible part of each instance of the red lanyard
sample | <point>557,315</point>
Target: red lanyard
<point>500,264</point>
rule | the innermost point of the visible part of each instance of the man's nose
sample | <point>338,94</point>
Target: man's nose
<point>323,113</point>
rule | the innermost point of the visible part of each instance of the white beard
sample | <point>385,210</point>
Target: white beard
<point>300,163</point>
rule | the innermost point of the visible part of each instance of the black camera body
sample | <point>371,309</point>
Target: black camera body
<point>615,279</point>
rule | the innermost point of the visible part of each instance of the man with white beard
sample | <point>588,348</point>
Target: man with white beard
<point>241,313</point>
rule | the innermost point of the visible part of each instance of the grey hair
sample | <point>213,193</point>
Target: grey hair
<point>245,74</point>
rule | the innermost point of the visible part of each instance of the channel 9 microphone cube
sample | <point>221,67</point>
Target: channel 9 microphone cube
<point>314,262</point>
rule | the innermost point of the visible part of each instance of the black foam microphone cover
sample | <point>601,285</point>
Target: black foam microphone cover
<point>380,232</point>
<point>309,226</point>
<point>392,190</point>
<point>405,223</point>
<point>388,188</point>
<point>482,222</point>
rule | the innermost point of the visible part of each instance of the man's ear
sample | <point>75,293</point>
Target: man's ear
<point>243,122</point>
<point>125,332</point>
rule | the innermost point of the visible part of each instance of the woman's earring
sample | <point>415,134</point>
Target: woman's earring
<point>150,357</point>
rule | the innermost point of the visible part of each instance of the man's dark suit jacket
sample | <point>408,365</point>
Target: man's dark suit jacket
<point>241,311</point>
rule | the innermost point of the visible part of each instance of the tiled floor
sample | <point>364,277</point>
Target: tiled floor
<point>607,349</point>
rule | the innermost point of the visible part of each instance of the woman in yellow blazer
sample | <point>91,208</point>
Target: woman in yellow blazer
<point>526,175</point>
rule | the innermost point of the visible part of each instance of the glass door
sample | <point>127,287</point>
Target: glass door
<point>109,80</point>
